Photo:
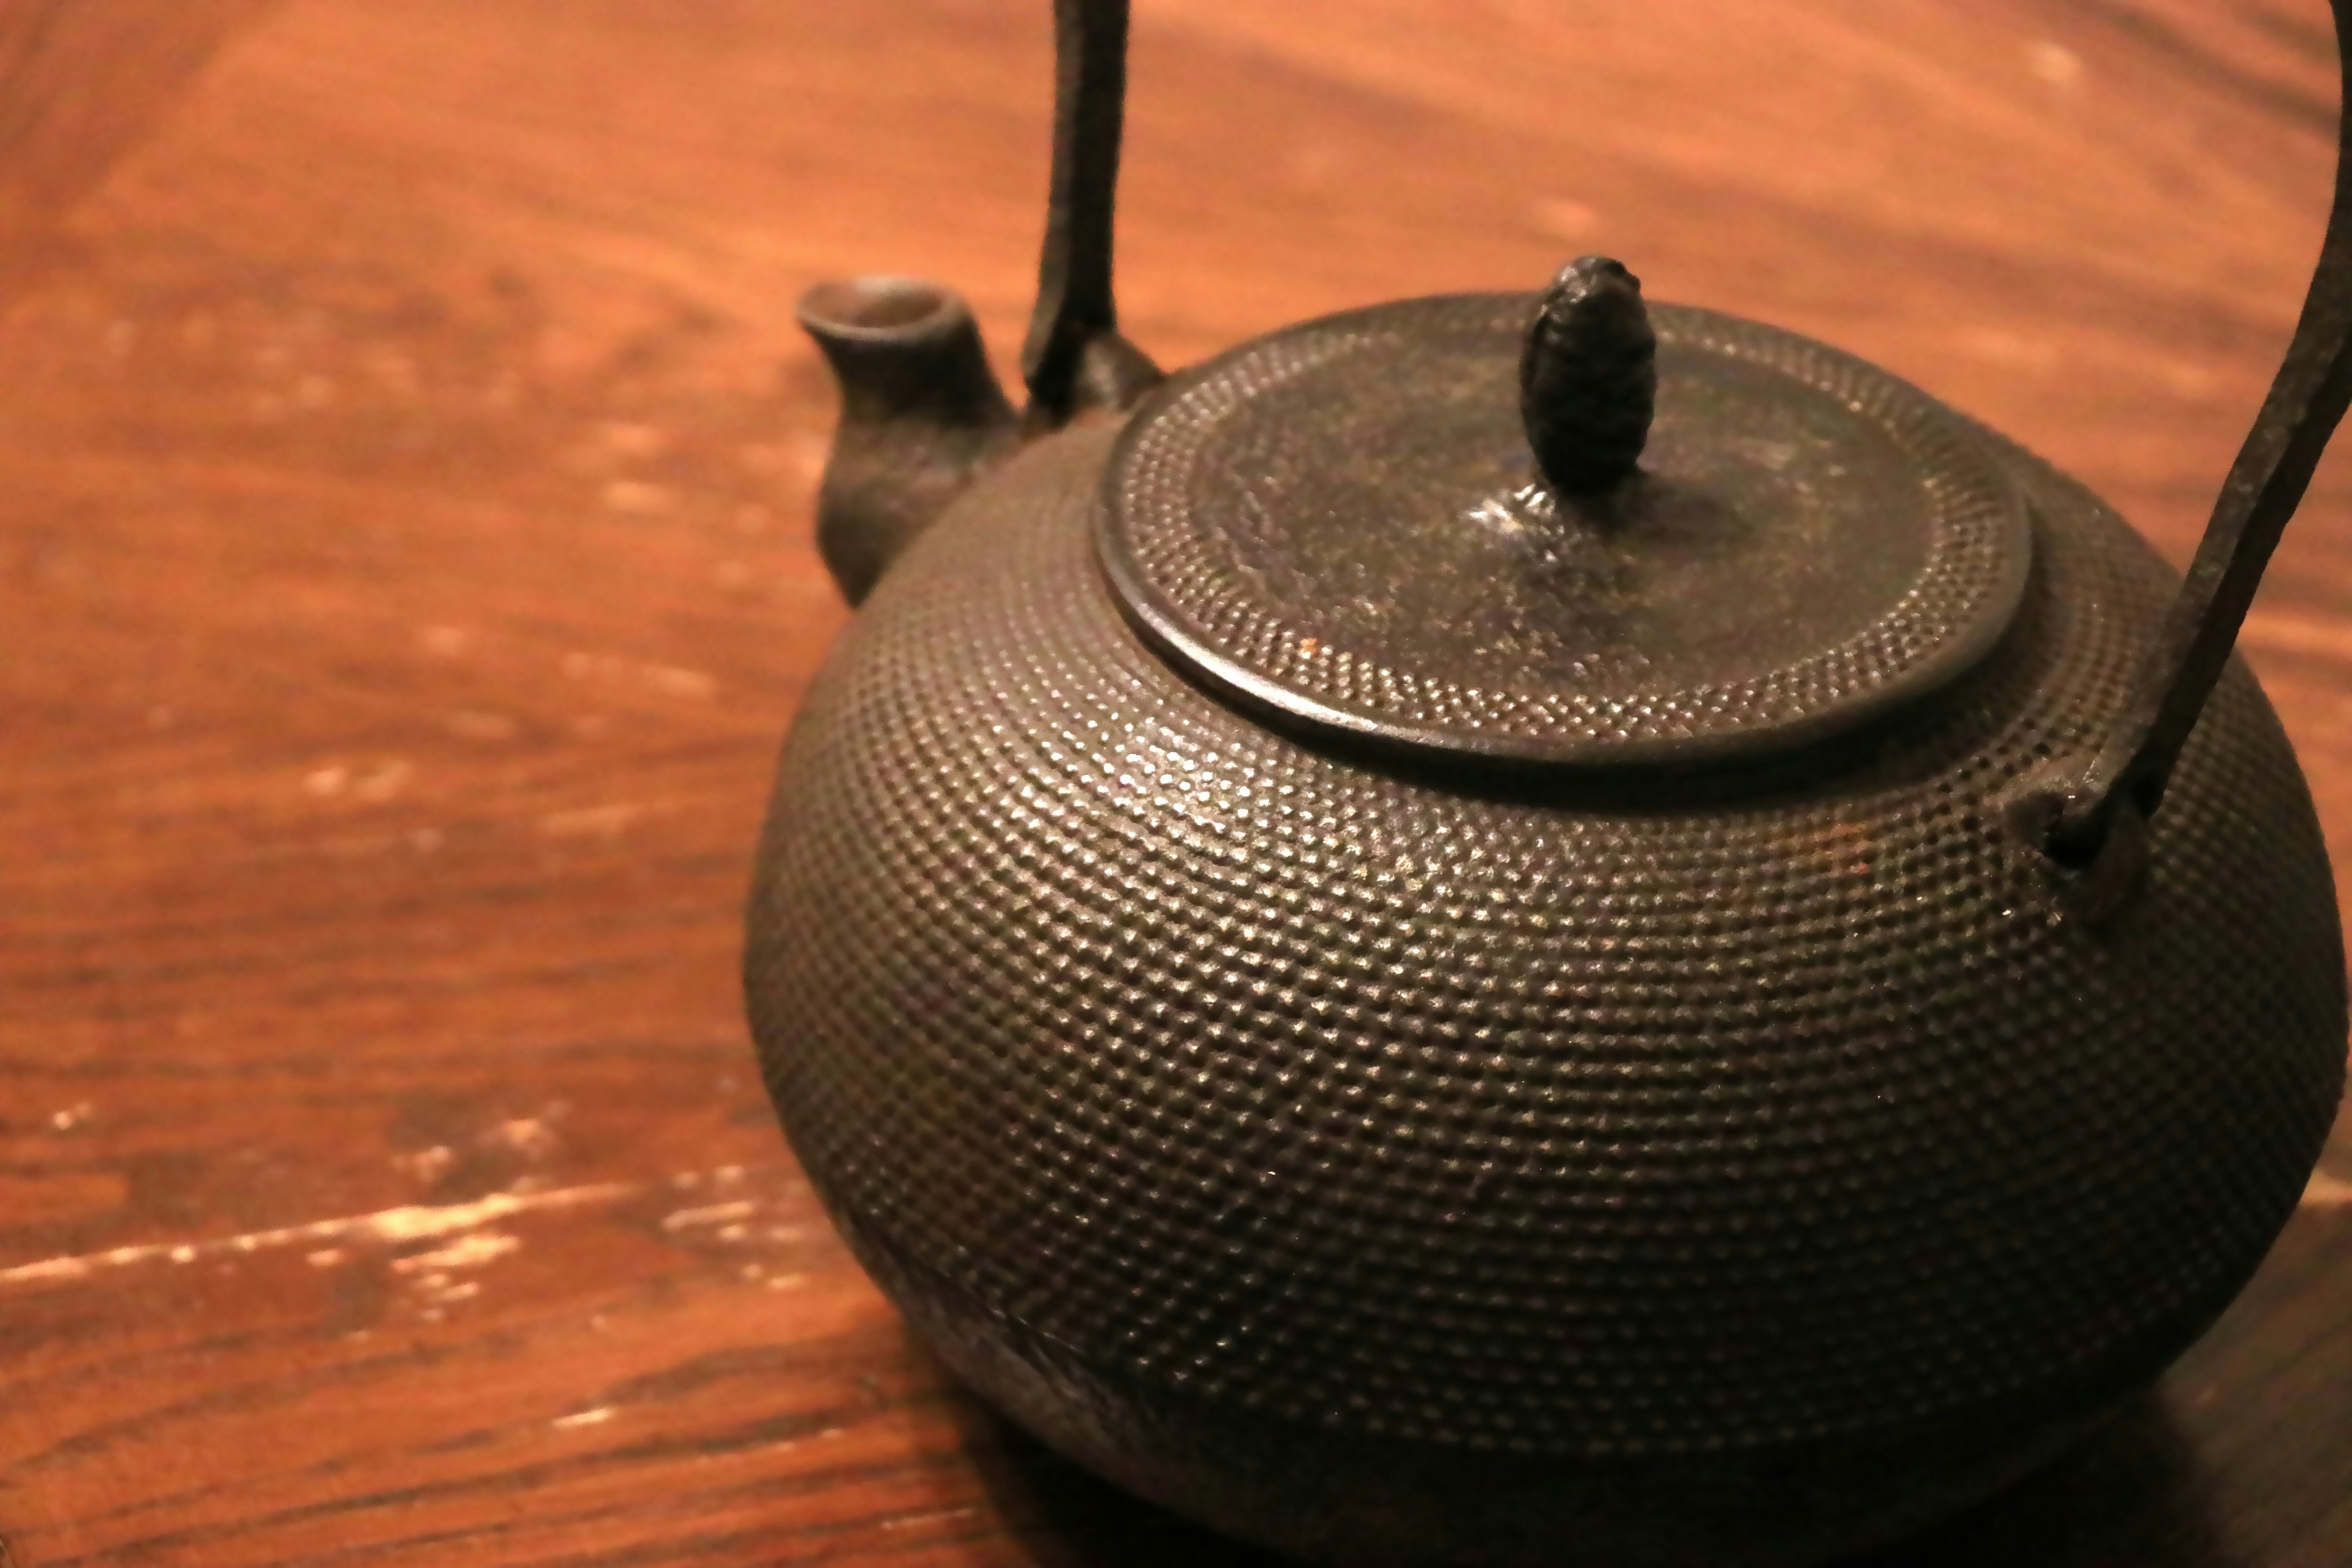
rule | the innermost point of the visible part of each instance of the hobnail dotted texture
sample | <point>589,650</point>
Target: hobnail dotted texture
<point>1557,1124</point>
<point>1212,482</point>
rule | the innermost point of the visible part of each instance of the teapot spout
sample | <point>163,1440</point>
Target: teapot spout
<point>921,414</point>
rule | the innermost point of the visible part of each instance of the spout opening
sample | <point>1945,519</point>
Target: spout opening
<point>880,309</point>
<point>921,414</point>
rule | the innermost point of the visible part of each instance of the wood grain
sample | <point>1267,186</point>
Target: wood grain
<point>404,579</point>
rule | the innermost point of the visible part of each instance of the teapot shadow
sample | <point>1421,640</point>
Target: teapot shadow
<point>2131,1492</point>
<point>1066,1517</point>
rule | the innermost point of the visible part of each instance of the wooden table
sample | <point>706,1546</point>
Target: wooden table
<point>404,578</point>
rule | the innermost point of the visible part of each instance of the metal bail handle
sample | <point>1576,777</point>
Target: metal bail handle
<point>1075,358</point>
<point>2093,812</point>
<point>2089,811</point>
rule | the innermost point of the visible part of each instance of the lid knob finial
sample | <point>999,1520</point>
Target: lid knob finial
<point>1589,376</point>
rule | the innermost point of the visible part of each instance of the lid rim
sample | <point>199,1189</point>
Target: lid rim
<point>1263,697</point>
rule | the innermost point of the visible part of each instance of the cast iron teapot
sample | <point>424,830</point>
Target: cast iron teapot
<point>1514,930</point>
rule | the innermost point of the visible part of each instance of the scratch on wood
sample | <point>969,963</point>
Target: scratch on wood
<point>595,1417</point>
<point>670,679</point>
<point>605,820</point>
<point>425,1164</point>
<point>717,1214</point>
<point>525,1134</point>
<point>445,642</point>
<point>932,1516</point>
<point>634,497</point>
<point>470,1251</point>
<point>413,1222</point>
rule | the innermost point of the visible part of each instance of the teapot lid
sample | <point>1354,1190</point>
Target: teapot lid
<point>1345,524</point>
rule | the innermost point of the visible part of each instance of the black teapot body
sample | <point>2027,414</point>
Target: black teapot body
<point>1400,1116</point>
